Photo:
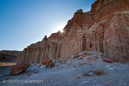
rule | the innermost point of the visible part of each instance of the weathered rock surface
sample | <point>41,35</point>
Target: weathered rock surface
<point>52,65</point>
<point>116,37</point>
<point>107,60</point>
<point>46,61</point>
<point>105,28</point>
<point>18,69</point>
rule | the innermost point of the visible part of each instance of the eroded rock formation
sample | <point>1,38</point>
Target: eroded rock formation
<point>105,28</point>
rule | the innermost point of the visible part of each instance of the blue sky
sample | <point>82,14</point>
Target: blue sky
<point>23,22</point>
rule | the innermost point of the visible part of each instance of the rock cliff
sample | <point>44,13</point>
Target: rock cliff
<point>105,28</point>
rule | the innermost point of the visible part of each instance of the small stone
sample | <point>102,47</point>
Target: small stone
<point>107,66</point>
<point>79,77</point>
<point>61,67</point>
<point>85,74</point>
<point>35,71</point>
<point>80,58</point>
<point>98,72</point>
<point>52,65</point>
<point>108,60</point>
<point>109,82</point>
<point>89,73</point>
<point>29,74</point>
<point>111,68</point>
<point>85,81</point>
<point>39,65</point>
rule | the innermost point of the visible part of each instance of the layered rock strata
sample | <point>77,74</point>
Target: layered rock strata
<point>105,28</point>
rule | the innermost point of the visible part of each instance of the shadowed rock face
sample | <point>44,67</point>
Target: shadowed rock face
<point>116,37</point>
<point>105,28</point>
<point>9,56</point>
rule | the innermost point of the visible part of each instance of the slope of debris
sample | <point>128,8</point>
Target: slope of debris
<point>81,69</point>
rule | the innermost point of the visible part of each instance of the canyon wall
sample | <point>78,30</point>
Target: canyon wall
<point>105,28</point>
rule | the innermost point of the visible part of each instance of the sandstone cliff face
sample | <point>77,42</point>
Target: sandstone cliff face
<point>47,48</point>
<point>105,28</point>
<point>116,37</point>
<point>103,9</point>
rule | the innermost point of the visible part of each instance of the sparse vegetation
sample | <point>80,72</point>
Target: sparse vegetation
<point>47,66</point>
<point>79,77</point>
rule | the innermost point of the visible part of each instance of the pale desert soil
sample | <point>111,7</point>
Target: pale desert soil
<point>117,74</point>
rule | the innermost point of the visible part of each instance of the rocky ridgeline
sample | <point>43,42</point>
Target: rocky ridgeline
<point>9,55</point>
<point>105,29</point>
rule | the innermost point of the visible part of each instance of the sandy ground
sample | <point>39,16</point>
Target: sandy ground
<point>7,63</point>
<point>69,74</point>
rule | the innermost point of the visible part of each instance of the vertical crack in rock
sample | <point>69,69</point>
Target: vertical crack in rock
<point>84,43</point>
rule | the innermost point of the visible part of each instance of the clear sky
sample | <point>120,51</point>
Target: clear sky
<point>23,22</point>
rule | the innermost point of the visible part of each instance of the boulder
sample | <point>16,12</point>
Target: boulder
<point>18,69</point>
<point>52,65</point>
<point>108,60</point>
<point>46,61</point>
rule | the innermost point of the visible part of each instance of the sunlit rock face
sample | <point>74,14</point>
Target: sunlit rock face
<point>105,28</point>
<point>47,48</point>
